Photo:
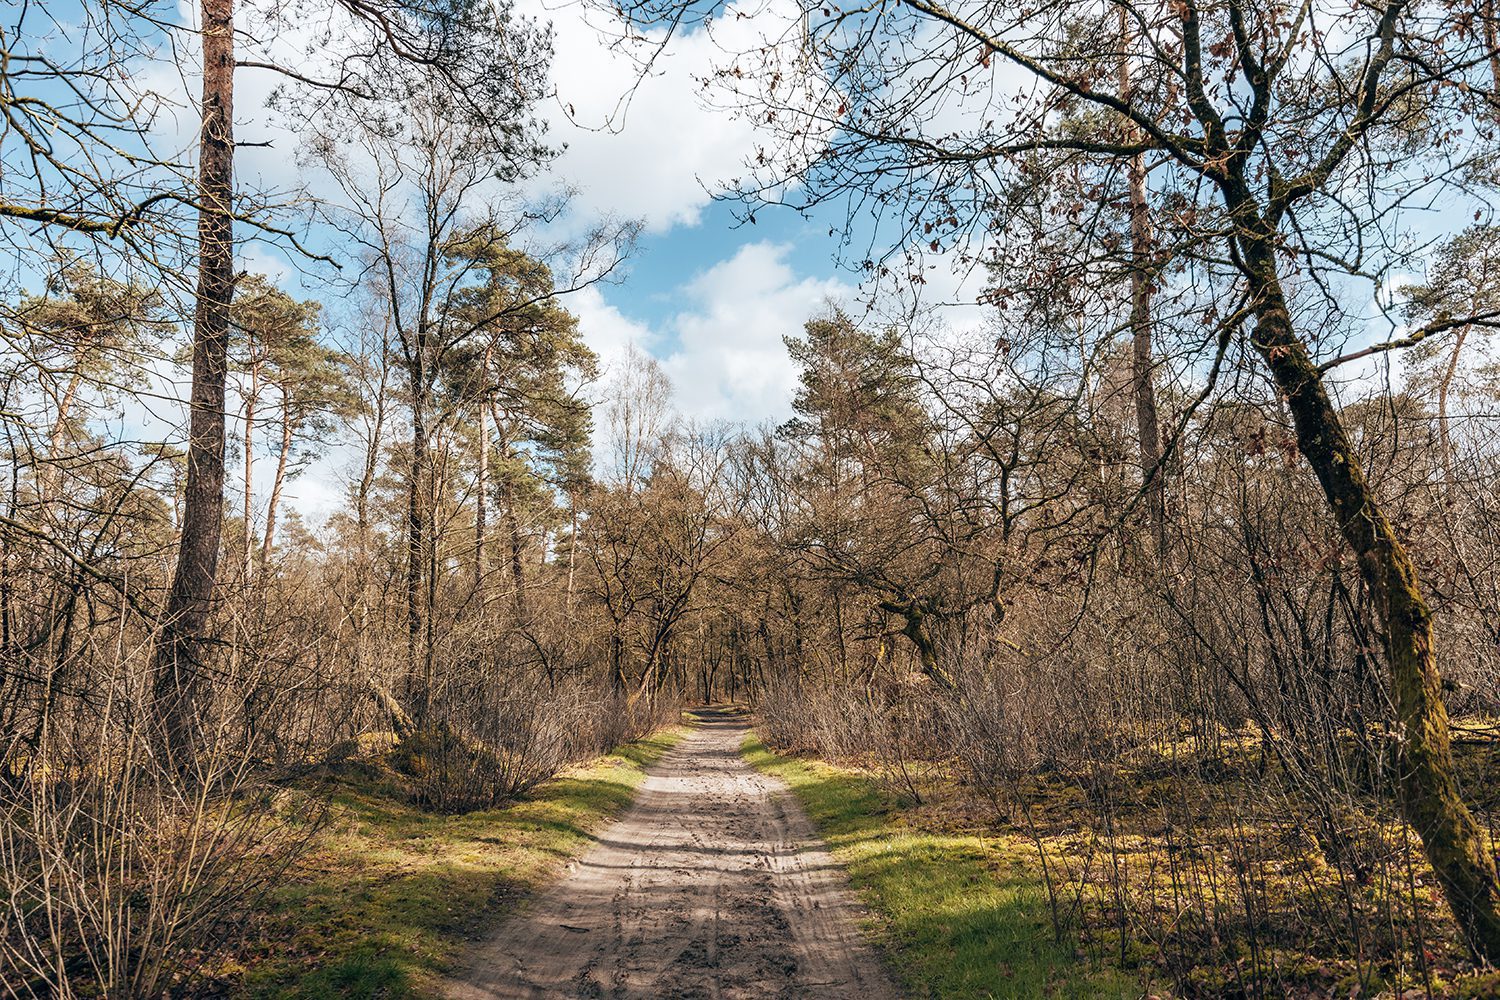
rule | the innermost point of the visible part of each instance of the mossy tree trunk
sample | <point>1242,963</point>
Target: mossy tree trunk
<point>1430,799</point>
<point>915,615</point>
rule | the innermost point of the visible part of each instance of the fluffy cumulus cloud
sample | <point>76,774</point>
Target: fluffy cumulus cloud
<point>730,361</point>
<point>607,330</point>
<point>655,157</point>
<point>723,350</point>
<point>650,147</point>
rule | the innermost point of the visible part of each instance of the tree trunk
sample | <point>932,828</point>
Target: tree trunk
<point>479,504</point>
<point>1445,439</point>
<point>1430,799</point>
<point>64,407</point>
<point>268,543</point>
<point>179,683</point>
<point>1492,44</point>
<point>512,523</point>
<point>362,529</point>
<point>48,479</point>
<point>1142,368</point>
<point>517,549</point>
<point>249,433</point>
<point>572,551</point>
<point>915,629</point>
<point>418,680</point>
<point>617,657</point>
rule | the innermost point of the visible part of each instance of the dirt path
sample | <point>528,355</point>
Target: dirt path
<point>713,885</point>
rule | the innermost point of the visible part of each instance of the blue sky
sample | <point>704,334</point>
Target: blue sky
<point>665,259</point>
<point>709,297</point>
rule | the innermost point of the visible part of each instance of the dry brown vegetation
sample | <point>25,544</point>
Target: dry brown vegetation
<point>1129,567</point>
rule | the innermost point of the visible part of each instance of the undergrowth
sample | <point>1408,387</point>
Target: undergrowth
<point>958,914</point>
<point>391,894</point>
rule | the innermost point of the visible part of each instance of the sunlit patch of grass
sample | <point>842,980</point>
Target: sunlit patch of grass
<point>1208,880</point>
<point>959,916</point>
<point>391,893</point>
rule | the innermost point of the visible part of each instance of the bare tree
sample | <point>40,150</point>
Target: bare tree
<point>1272,111</point>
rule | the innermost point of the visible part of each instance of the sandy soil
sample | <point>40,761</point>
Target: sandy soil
<point>713,885</point>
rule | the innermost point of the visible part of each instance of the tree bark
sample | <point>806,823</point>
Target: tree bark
<point>268,543</point>
<point>617,657</point>
<point>418,651</point>
<point>512,523</point>
<point>419,680</point>
<point>480,500</point>
<point>64,409</point>
<point>1445,439</point>
<point>914,616</point>
<point>249,432</point>
<point>1492,45</point>
<point>362,523</point>
<point>1142,368</point>
<point>180,683</point>
<point>517,550</point>
<point>1430,800</point>
<point>49,478</point>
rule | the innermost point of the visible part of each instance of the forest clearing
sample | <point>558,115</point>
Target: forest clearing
<point>749,498</point>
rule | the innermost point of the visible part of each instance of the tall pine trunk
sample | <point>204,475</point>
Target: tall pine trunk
<point>480,503</point>
<point>572,551</point>
<point>1142,368</point>
<point>278,483</point>
<point>180,681</point>
<point>1445,436</point>
<point>517,551</point>
<point>51,472</point>
<point>512,522</point>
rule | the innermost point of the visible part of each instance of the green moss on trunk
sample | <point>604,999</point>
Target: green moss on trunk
<point>1430,800</point>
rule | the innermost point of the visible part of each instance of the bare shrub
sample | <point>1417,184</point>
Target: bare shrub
<point>123,877</point>
<point>488,744</point>
<point>785,718</point>
<point>895,729</point>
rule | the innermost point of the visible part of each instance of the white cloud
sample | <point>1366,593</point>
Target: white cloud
<point>730,362</point>
<point>649,148</point>
<point>723,350</point>
<point>605,329</point>
<point>258,259</point>
<point>656,151</point>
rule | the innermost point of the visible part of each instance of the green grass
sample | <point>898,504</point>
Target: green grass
<point>958,916</point>
<point>391,895</point>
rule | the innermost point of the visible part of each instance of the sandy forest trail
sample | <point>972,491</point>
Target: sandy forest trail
<point>712,885</point>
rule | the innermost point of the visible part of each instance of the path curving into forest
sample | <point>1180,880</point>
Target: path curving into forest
<point>713,885</point>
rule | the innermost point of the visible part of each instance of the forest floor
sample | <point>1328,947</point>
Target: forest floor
<point>391,895</point>
<point>962,907</point>
<point>961,914</point>
<point>699,863</point>
<point>712,885</point>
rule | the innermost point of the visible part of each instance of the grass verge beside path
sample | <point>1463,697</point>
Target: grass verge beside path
<point>392,894</point>
<point>958,916</point>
